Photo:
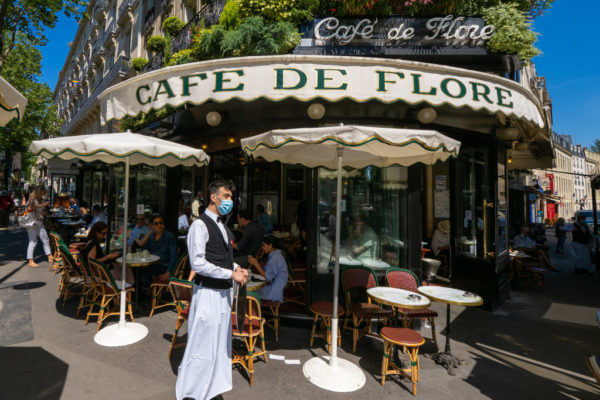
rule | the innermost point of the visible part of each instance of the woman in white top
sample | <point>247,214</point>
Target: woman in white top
<point>36,205</point>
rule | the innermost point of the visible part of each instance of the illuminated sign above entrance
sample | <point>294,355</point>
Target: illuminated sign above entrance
<point>396,35</point>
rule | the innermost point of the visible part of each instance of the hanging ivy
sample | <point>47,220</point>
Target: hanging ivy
<point>513,32</point>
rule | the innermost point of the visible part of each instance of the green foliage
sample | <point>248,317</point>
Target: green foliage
<point>595,146</point>
<point>172,25</point>
<point>253,37</point>
<point>513,32</point>
<point>139,63</point>
<point>230,17</point>
<point>156,43</point>
<point>142,120</point>
<point>294,11</point>
<point>184,56</point>
<point>31,18</point>
<point>22,68</point>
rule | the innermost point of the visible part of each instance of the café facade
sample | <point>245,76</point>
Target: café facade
<point>397,72</point>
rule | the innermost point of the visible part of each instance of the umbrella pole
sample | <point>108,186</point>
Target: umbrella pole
<point>124,257</point>
<point>336,275</point>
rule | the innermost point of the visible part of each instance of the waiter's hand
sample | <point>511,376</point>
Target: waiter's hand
<point>240,275</point>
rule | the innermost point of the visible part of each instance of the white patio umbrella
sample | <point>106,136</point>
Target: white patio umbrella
<point>129,148</point>
<point>335,147</point>
<point>12,103</point>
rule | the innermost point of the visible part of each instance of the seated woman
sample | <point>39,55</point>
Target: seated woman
<point>158,242</point>
<point>275,271</point>
<point>93,249</point>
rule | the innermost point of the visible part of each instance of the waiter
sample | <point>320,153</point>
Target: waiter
<point>205,371</point>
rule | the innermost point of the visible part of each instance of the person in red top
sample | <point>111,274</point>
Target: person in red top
<point>6,206</point>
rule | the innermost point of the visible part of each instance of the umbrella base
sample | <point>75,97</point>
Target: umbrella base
<point>344,377</point>
<point>115,336</point>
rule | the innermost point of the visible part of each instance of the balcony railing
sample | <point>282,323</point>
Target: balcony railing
<point>109,32</point>
<point>183,39</point>
<point>125,6</point>
<point>120,68</point>
<point>100,7</point>
<point>149,20</point>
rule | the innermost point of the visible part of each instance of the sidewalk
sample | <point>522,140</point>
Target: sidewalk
<point>533,347</point>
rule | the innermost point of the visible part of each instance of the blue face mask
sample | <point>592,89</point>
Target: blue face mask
<point>225,207</point>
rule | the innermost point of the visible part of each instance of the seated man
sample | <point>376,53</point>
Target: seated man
<point>264,219</point>
<point>160,243</point>
<point>97,215</point>
<point>183,223</point>
<point>523,240</point>
<point>253,233</point>
<point>367,245</point>
<point>140,230</point>
<point>275,271</point>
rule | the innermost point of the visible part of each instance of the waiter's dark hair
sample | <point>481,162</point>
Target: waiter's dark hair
<point>214,186</point>
<point>270,239</point>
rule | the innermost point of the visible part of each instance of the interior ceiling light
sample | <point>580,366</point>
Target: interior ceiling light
<point>427,115</point>
<point>213,118</point>
<point>316,111</point>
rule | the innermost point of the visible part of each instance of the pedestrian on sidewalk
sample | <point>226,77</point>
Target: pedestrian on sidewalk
<point>561,235</point>
<point>205,370</point>
<point>37,204</point>
<point>580,246</point>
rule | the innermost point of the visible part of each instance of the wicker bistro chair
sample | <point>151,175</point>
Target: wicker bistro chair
<point>79,270</point>
<point>89,296</point>
<point>55,242</point>
<point>160,287</point>
<point>405,279</point>
<point>295,289</point>
<point>593,364</point>
<point>252,331</point>
<point>108,292</point>
<point>323,312</point>
<point>406,338</point>
<point>355,281</point>
<point>71,275</point>
<point>182,291</point>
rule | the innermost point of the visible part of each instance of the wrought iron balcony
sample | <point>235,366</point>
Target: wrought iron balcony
<point>99,9</point>
<point>119,69</point>
<point>165,5</point>
<point>183,39</point>
<point>110,32</point>
<point>149,20</point>
<point>125,7</point>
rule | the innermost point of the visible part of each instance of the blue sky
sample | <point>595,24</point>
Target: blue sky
<point>570,63</point>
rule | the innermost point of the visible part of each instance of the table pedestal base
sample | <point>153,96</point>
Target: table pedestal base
<point>446,360</point>
<point>343,377</point>
<point>116,336</point>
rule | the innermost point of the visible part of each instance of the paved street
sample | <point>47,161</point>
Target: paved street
<point>532,348</point>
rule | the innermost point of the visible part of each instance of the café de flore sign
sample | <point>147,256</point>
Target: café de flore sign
<point>306,78</point>
<point>396,35</point>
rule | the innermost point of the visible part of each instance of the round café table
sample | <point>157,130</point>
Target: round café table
<point>449,296</point>
<point>70,225</point>
<point>255,282</point>
<point>136,264</point>
<point>396,297</point>
<point>374,264</point>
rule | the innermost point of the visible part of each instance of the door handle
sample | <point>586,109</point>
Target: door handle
<point>486,254</point>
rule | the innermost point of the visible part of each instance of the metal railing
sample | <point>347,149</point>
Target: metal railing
<point>120,68</point>
<point>123,8</point>
<point>149,19</point>
<point>183,39</point>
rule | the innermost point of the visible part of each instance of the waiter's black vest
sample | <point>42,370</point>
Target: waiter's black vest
<point>217,252</point>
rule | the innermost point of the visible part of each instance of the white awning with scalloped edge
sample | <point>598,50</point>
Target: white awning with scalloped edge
<point>306,78</point>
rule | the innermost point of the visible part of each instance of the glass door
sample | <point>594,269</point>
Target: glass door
<point>474,225</point>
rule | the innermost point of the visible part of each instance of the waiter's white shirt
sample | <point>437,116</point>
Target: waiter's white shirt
<point>196,241</point>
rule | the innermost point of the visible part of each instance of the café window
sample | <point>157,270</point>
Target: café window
<point>373,218</point>
<point>472,202</point>
<point>502,207</point>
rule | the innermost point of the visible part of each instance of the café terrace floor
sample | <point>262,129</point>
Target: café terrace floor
<point>533,347</point>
